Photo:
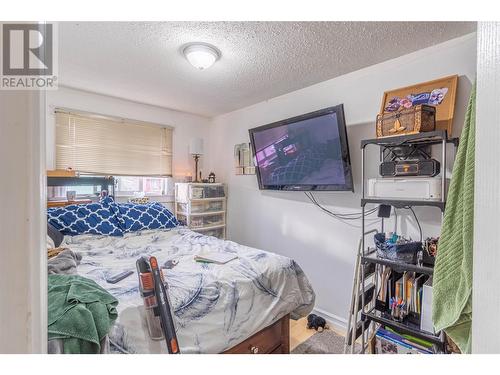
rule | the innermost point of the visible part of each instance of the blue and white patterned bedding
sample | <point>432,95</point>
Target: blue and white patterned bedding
<point>216,306</point>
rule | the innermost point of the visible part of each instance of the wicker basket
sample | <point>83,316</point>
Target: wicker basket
<point>417,119</point>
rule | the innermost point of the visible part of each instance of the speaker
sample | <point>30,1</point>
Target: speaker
<point>429,167</point>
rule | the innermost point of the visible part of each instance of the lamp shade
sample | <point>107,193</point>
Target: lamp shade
<point>196,146</point>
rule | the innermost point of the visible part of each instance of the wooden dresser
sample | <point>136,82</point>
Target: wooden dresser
<point>274,339</point>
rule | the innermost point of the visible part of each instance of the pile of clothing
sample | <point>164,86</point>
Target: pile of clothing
<point>80,312</point>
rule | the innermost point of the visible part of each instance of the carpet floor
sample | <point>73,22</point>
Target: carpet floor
<point>326,342</point>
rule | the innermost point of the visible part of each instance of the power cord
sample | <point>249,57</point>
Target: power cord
<point>339,216</point>
<point>358,215</point>
<point>343,216</point>
<point>395,221</point>
<point>416,219</point>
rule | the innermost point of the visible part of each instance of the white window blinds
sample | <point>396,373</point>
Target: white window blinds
<point>102,145</point>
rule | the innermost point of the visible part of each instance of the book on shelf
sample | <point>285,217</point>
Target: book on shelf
<point>385,289</point>
<point>407,288</point>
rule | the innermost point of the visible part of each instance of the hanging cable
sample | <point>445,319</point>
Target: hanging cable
<point>395,221</point>
<point>340,216</point>
<point>347,216</point>
<point>416,219</point>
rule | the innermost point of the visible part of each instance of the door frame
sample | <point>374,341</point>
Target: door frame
<point>486,275</point>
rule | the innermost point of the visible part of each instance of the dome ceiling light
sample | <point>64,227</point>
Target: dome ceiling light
<point>201,55</point>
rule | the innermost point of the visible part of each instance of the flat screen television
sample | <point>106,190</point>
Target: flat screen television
<point>304,153</point>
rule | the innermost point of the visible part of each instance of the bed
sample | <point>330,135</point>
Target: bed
<point>240,307</point>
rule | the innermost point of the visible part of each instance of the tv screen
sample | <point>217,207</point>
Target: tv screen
<point>308,152</point>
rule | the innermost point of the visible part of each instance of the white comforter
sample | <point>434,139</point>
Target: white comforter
<point>215,306</point>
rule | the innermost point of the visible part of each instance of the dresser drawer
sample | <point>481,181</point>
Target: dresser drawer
<point>202,221</point>
<point>279,350</point>
<point>203,191</point>
<point>265,341</point>
<point>219,232</point>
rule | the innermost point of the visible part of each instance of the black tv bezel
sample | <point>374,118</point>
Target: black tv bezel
<point>346,160</point>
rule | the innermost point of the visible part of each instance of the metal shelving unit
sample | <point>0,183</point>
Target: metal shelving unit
<point>399,203</point>
<point>369,310</point>
<point>102,182</point>
<point>105,182</point>
<point>373,258</point>
<point>406,328</point>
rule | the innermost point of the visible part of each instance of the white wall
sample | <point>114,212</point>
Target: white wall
<point>23,267</point>
<point>485,296</point>
<point>185,125</point>
<point>286,222</point>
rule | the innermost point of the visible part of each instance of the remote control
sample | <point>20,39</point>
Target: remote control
<point>118,277</point>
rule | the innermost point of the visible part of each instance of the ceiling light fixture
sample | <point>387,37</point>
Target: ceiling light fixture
<point>201,55</point>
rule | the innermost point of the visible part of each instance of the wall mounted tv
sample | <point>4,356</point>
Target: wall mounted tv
<point>304,153</point>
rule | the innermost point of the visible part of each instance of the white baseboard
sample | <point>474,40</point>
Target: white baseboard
<point>334,321</point>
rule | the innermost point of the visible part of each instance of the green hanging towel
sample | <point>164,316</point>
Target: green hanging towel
<point>452,283</point>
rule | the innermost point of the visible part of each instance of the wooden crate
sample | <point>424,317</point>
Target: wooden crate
<point>421,118</point>
<point>440,93</point>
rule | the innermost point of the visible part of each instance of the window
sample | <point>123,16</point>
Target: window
<point>132,185</point>
<point>101,145</point>
<point>152,185</point>
<point>59,192</point>
<point>128,184</point>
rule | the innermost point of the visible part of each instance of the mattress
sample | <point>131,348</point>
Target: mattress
<point>215,306</point>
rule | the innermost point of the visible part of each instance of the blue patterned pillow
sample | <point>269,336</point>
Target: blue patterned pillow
<point>92,218</point>
<point>134,217</point>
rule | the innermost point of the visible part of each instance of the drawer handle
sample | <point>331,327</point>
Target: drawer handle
<point>254,349</point>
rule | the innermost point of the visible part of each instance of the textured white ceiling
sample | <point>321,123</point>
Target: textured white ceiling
<point>260,60</point>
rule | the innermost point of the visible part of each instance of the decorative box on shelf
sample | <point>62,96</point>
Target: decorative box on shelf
<point>202,207</point>
<point>418,119</point>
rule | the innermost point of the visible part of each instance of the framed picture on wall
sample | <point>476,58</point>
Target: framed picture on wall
<point>243,159</point>
<point>440,93</point>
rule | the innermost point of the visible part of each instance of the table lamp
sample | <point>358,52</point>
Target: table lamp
<point>196,150</point>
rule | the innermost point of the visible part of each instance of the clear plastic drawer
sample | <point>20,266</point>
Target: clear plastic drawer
<point>201,206</point>
<point>206,220</point>
<point>219,232</point>
<point>207,191</point>
<point>200,221</point>
<point>182,219</point>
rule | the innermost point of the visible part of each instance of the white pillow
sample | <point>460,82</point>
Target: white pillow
<point>50,243</point>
